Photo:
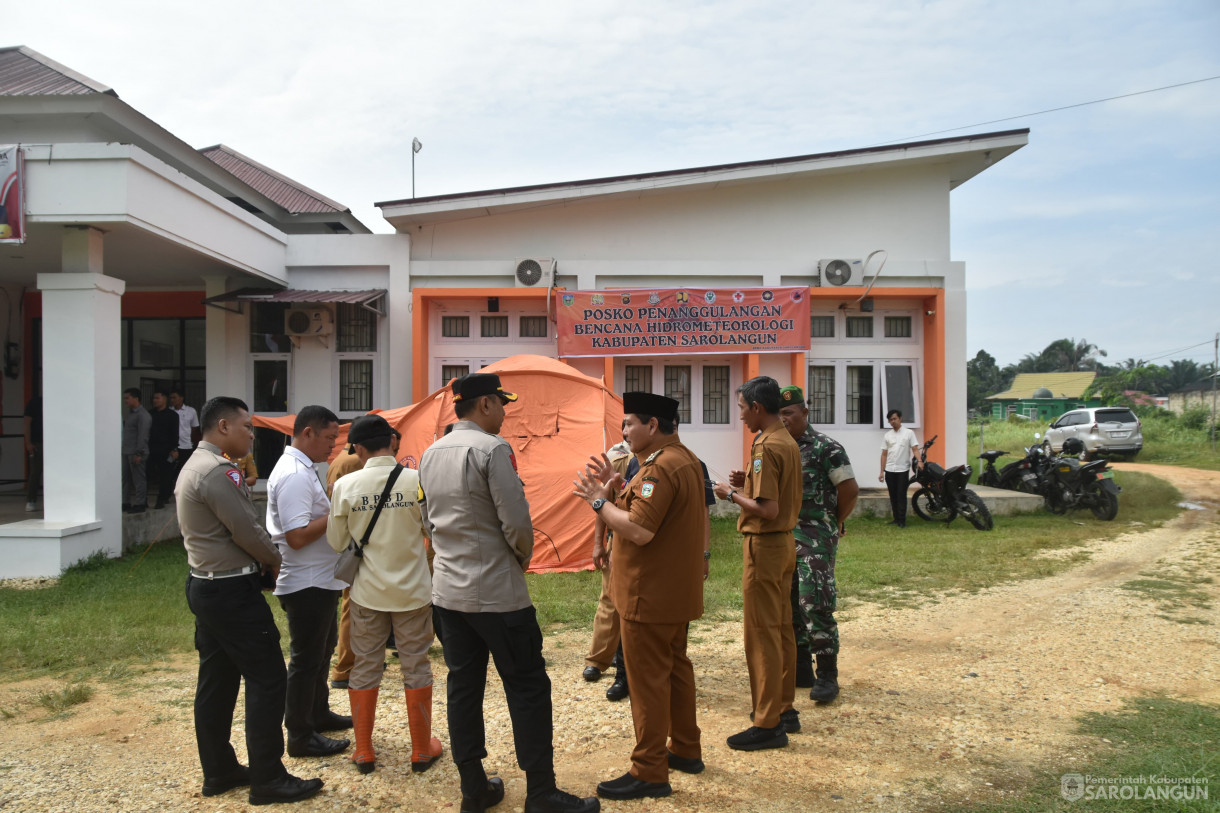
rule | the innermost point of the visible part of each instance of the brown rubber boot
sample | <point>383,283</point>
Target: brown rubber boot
<point>364,710</point>
<point>425,749</point>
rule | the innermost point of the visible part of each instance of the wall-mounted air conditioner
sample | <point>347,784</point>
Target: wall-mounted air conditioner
<point>839,273</point>
<point>534,272</point>
<point>311,321</point>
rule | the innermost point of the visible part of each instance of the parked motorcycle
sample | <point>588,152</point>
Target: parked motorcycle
<point>1071,483</point>
<point>943,495</point>
<point>1020,475</point>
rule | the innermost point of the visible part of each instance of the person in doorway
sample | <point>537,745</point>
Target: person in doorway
<point>188,429</point>
<point>392,588</point>
<point>899,450</point>
<point>297,514</point>
<point>162,447</point>
<point>32,431</point>
<point>829,493</point>
<point>483,537</point>
<point>659,521</point>
<point>136,425</point>
<point>769,495</point>
<point>235,633</point>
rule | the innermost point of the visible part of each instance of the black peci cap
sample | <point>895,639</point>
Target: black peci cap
<point>476,384</point>
<point>647,403</point>
<point>368,427</point>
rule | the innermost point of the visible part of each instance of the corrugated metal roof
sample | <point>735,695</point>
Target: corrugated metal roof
<point>297,295</point>
<point>1061,385</point>
<point>25,72</point>
<point>294,197</point>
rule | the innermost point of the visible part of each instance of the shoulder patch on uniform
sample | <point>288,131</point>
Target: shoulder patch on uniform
<point>235,476</point>
<point>648,478</point>
<point>757,465</point>
<point>646,489</point>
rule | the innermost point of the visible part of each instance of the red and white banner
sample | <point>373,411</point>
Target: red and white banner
<point>12,196</point>
<point>670,321</point>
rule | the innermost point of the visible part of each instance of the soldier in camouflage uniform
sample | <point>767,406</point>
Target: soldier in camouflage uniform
<point>829,494</point>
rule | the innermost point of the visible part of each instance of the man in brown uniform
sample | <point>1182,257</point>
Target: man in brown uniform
<point>658,522</point>
<point>235,632</point>
<point>769,495</point>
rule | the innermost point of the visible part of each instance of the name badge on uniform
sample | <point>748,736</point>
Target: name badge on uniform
<point>646,490</point>
<point>757,465</point>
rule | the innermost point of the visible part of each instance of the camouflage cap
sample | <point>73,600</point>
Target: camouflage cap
<point>790,395</point>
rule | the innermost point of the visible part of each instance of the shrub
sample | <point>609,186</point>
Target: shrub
<point>1197,417</point>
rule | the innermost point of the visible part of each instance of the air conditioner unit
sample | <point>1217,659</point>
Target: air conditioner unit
<point>315,321</point>
<point>838,273</point>
<point>534,272</point>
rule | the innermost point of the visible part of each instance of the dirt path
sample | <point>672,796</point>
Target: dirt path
<point>959,699</point>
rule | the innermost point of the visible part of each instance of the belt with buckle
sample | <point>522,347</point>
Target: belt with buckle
<point>224,574</point>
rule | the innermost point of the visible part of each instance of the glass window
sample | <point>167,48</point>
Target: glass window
<point>859,327</point>
<point>822,327</point>
<point>452,371</point>
<point>716,394</point>
<point>355,385</point>
<point>271,385</point>
<point>267,328</point>
<point>532,327</point>
<point>677,387</point>
<point>897,327</point>
<point>455,327</point>
<point>196,345</point>
<point>821,394</point>
<point>860,408</point>
<point>355,329</point>
<point>268,447</point>
<point>494,327</point>
<point>638,378</point>
<point>900,391</point>
<point>156,343</point>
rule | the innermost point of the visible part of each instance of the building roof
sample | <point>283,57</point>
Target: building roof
<point>25,72</point>
<point>1202,385</point>
<point>1061,385</point>
<point>294,197</point>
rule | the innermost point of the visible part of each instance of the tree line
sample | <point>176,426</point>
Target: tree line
<point>985,377</point>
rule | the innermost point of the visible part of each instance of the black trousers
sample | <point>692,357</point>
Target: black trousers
<point>161,472</point>
<point>236,636</point>
<point>897,482</point>
<point>514,641</point>
<point>313,634</point>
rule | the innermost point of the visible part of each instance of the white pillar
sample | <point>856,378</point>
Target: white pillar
<point>81,392</point>
<point>216,342</point>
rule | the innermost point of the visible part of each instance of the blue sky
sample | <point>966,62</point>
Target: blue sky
<point>1106,227</point>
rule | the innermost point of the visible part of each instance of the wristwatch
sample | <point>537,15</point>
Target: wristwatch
<point>597,504</point>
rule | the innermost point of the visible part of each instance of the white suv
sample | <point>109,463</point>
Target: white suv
<point>1109,430</point>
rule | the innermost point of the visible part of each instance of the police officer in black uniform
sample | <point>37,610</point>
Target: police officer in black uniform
<point>235,633</point>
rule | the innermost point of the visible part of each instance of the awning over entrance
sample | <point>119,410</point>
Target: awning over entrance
<point>373,299</point>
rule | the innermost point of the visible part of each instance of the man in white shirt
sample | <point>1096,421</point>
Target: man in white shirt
<point>188,430</point>
<point>898,452</point>
<point>297,514</point>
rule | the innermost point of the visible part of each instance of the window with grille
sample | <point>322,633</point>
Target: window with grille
<point>637,378</point>
<point>455,327</point>
<point>860,407</point>
<point>859,327</point>
<point>452,371</point>
<point>355,385</point>
<point>897,327</point>
<point>822,327</point>
<point>532,327</point>
<point>494,327</point>
<point>267,328</point>
<point>716,395</point>
<point>821,395</point>
<point>355,329</point>
<point>677,387</point>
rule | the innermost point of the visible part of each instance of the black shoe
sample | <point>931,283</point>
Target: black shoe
<point>317,746</point>
<point>757,739</point>
<point>286,789</point>
<point>217,785</point>
<point>490,797</point>
<point>334,722</point>
<point>618,689</point>
<point>790,720</point>
<point>591,674</point>
<point>824,690</point>
<point>685,764</point>
<point>630,787</point>
<point>893,522</point>
<point>558,801</point>
<point>339,684</point>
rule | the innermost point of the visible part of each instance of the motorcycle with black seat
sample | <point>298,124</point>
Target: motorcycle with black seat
<point>1024,475</point>
<point>943,495</point>
<point>1071,482</point>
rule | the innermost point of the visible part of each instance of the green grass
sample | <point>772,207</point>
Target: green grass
<point>1148,737</point>
<point>1166,441</point>
<point>64,699</point>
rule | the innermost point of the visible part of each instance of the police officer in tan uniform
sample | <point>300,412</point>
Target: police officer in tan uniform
<point>660,523</point>
<point>769,495</point>
<point>235,633</point>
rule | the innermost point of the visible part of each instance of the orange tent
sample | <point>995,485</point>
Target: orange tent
<point>562,417</point>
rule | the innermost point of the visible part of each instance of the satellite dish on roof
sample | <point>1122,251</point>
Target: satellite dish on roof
<point>1043,392</point>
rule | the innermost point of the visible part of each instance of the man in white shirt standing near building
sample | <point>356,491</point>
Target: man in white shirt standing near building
<point>188,429</point>
<point>898,448</point>
<point>297,514</point>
